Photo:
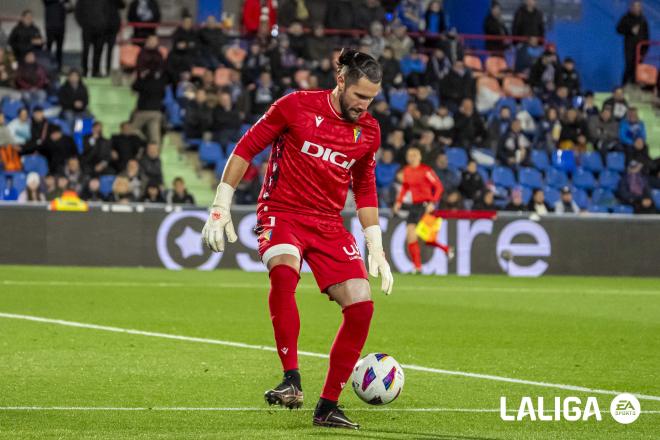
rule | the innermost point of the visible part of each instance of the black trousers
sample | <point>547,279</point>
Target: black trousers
<point>92,39</point>
<point>55,37</point>
<point>110,38</point>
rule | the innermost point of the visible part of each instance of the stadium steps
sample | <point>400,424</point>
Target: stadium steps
<point>113,103</point>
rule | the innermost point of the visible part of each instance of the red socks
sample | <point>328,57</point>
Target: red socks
<point>415,254</point>
<point>346,349</point>
<point>284,313</point>
<point>443,247</point>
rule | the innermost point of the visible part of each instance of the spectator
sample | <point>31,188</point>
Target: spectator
<point>469,129</point>
<point>256,62</point>
<point>145,12</point>
<point>452,202</point>
<point>262,95</point>
<point>411,121</point>
<point>31,79</point>
<point>640,153</point>
<point>377,39</point>
<point>566,204</point>
<point>544,70</point>
<point>125,145</point>
<point>32,191</point>
<point>9,192</point>
<point>199,116</point>
<point>435,18</point>
<point>381,112</point>
<point>121,191</point>
<point>634,185</point>
<point>283,61</point>
<point>645,206</point>
<point>40,129</point>
<point>513,148</point>
<point>588,107</point>
<point>516,203</point>
<point>442,124</point>
<point>21,36</point>
<point>297,40</point>
<point>226,120</point>
<point>187,34</point>
<point>147,117</point>
<point>51,189</point>
<point>74,98</point>
<point>457,86</point>
<point>150,58</point>
<point>423,101</point>
<point>181,59</point>
<point>538,204</point>
<point>437,68</point>
<point>450,180</point>
<point>399,41</point>
<point>56,11</point>
<point>113,24</point>
<point>603,131</point>
<point>74,175</point>
<point>213,40</point>
<point>368,12</point>
<point>452,46</point>
<point>325,74</point>
<point>634,28</point>
<point>132,174</point>
<point>319,46</point>
<point>21,127</point>
<point>152,194</point>
<point>247,190</point>
<point>410,13</point>
<point>386,170</point>
<point>97,152</point>
<point>527,54</point>
<point>560,100</point>
<point>494,26</point>
<point>572,129</point>
<point>568,77</point>
<point>397,143</point>
<point>179,194</point>
<point>472,185</point>
<point>428,146</point>
<point>528,21</point>
<point>58,149</point>
<point>6,136</point>
<point>391,69</point>
<point>150,165</point>
<point>498,127</point>
<point>94,22</point>
<point>631,128</point>
<point>486,203</point>
<point>618,104</point>
<point>92,191</point>
<point>7,75</point>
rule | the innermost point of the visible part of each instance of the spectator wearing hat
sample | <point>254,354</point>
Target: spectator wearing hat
<point>566,204</point>
<point>32,191</point>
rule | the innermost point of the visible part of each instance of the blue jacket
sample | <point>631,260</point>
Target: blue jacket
<point>386,173</point>
<point>629,132</point>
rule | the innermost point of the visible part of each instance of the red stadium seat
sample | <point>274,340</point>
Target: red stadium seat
<point>496,66</point>
<point>128,55</point>
<point>222,76</point>
<point>488,93</point>
<point>647,75</point>
<point>473,63</point>
<point>516,87</point>
<point>198,71</point>
<point>236,55</point>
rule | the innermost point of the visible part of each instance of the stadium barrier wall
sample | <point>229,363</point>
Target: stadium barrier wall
<point>171,238</point>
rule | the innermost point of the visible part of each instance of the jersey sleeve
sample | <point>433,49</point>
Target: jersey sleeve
<point>364,177</point>
<point>268,128</point>
<point>436,184</point>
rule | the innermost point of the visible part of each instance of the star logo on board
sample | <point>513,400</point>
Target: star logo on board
<point>319,119</point>
<point>190,243</point>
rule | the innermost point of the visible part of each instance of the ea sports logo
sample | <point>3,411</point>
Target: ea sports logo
<point>625,408</point>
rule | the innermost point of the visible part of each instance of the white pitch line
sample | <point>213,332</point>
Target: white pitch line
<point>317,355</point>
<point>439,289</point>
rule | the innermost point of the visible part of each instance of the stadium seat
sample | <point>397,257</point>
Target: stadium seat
<point>616,161</point>
<point>128,55</point>
<point>593,162</point>
<point>18,180</point>
<point>533,106</point>
<point>398,100</point>
<point>564,160</point>
<point>646,75</point>
<point>105,184</point>
<point>489,93</point>
<point>484,157</point>
<point>581,198</point>
<point>10,108</point>
<point>584,179</point>
<point>515,87</point>
<point>36,163</point>
<point>503,176</point>
<point>506,102</point>
<point>609,180</point>
<point>457,158</point>
<point>495,66</point>
<point>540,160</point>
<point>2,185</point>
<point>526,194</point>
<point>597,209</point>
<point>556,178</point>
<point>530,177</point>
<point>229,148</point>
<point>192,143</point>
<point>235,55</point>
<point>623,209</point>
<point>64,125</point>
<point>244,128</point>
<point>81,128</point>
<point>656,197</point>
<point>210,153</point>
<point>261,157</point>
<point>552,195</point>
<point>220,167</point>
<point>603,197</point>
<point>222,76</point>
<point>485,174</point>
<point>473,63</point>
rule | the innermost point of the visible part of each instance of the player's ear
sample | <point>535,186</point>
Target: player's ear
<point>341,82</point>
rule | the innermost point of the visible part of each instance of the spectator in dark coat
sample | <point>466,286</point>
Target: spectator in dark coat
<point>31,79</point>
<point>179,194</point>
<point>226,120</point>
<point>319,46</point>
<point>97,152</point>
<point>212,40</point>
<point>93,19</point>
<point>40,130</point>
<point>143,11</point>
<point>568,77</point>
<point>56,11</point>
<point>92,191</point>
<point>125,146</point>
<point>73,97</point>
<point>469,129</point>
<point>516,203</point>
<point>367,12</point>
<point>262,95</point>
<point>618,104</point>
<point>58,148</point>
<point>340,14</point>
<point>437,68</point>
<point>457,86</point>
<point>199,116</point>
<point>472,185</point>
<point>255,62</point>
<point>179,60</point>
<point>450,180</point>
<point>544,70</point>
<point>513,148</point>
<point>494,26</point>
<point>603,131</point>
<point>297,40</point>
<point>325,74</point>
<point>150,164</point>
<point>391,69</point>
<point>486,203</point>
<point>148,116</point>
<point>113,24</point>
<point>21,36</point>
<point>150,57</point>
<point>186,32</point>
<point>634,185</point>
<point>152,194</point>
<point>435,17</point>
<point>528,21</point>
<point>639,152</point>
<point>634,28</point>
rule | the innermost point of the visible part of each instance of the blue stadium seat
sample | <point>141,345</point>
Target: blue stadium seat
<point>584,179</point>
<point>229,148</point>
<point>526,194</point>
<point>609,180</point>
<point>656,197</point>
<point>174,114</point>
<point>105,184</point>
<point>580,197</point>
<point>623,209</point>
<point>2,185</point>
<point>220,167</point>
<point>616,161</point>
<point>210,153</point>
<point>18,180</point>
<point>592,162</point>
<point>398,100</point>
<point>597,209</point>
<point>556,178</point>
<point>485,174</point>
<point>36,163</point>
<point>506,102</point>
<point>540,160</point>
<point>530,177</point>
<point>11,107</point>
<point>551,195</point>
<point>533,106</point>
<point>244,129</point>
<point>457,158</point>
<point>81,128</point>
<point>192,144</point>
<point>564,160</point>
<point>64,125</point>
<point>603,197</point>
<point>503,176</point>
<point>484,157</point>
<point>261,157</point>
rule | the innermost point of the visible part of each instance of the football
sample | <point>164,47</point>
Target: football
<point>378,379</point>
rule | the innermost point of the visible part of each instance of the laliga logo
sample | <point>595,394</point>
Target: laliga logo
<point>326,154</point>
<point>625,409</point>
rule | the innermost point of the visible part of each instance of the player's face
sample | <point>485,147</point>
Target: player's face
<point>355,99</point>
<point>413,157</point>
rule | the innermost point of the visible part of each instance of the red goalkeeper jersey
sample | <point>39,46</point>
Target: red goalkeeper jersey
<point>315,156</point>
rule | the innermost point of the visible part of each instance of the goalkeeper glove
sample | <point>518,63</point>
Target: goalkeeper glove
<point>219,221</point>
<point>377,262</point>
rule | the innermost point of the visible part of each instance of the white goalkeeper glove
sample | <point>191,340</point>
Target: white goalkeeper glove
<point>377,262</point>
<point>219,221</point>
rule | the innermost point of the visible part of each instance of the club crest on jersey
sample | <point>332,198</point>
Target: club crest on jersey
<point>266,234</point>
<point>357,133</point>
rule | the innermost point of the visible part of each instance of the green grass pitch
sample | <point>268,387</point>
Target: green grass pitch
<point>599,333</point>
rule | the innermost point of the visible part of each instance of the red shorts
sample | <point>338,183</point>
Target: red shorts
<point>328,248</point>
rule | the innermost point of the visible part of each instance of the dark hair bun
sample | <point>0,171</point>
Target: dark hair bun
<point>346,56</point>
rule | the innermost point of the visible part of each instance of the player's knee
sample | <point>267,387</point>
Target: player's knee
<point>354,291</point>
<point>284,260</point>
